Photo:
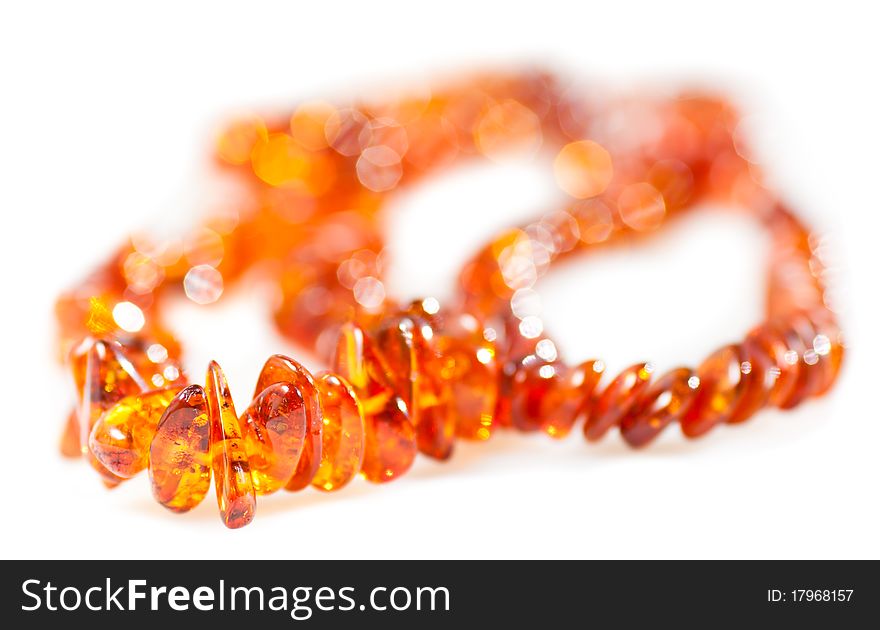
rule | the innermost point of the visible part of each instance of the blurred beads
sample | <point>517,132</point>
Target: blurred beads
<point>342,449</point>
<point>723,382</point>
<point>616,400</point>
<point>236,142</point>
<point>379,168</point>
<point>180,452</point>
<point>583,169</point>
<point>641,207</point>
<point>665,401</point>
<point>308,122</point>
<point>347,131</point>
<point>506,128</point>
<point>203,284</point>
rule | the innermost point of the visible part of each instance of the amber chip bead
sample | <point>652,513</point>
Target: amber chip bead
<point>274,429</point>
<point>229,460</point>
<point>616,400</point>
<point>342,450</point>
<point>723,382</point>
<point>121,437</point>
<point>180,453</point>
<point>390,446</point>
<point>281,369</point>
<point>663,402</point>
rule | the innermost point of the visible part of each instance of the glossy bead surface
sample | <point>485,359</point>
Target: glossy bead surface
<point>390,441</point>
<point>180,453</point>
<point>570,398</point>
<point>615,401</point>
<point>722,385</point>
<point>663,402</point>
<point>274,428</point>
<point>342,450</point>
<point>121,437</point>
<point>281,369</point>
<point>229,460</point>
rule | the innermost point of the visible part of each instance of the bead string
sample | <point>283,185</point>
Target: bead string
<point>410,378</point>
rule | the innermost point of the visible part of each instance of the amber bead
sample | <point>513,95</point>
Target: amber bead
<point>414,369</point>
<point>229,460</point>
<point>342,450</point>
<point>281,369</point>
<point>664,401</point>
<point>121,437</point>
<point>390,442</point>
<point>570,398</point>
<point>104,376</point>
<point>761,373</point>
<point>468,363</point>
<point>616,400</point>
<point>722,385</point>
<point>798,335</point>
<point>828,344</point>
<point>274,428</point>
<point>784,367</point>
<point>180,453</point>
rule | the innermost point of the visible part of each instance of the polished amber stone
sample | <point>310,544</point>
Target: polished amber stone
<point>229,459</point>
<point>414,369</point>
<point>722,385</point>
<point>570,398</point>
<point>121,437</point>
<point>616,400</point>
<point>664,401</point>
<point>342,450</point>
<point>538,388</point>
<point>390,442</point>
<point>761,373</point>
<point>274,428</point>
<point>281,369</point>
<point>468,363</point>
<point>180,453</point>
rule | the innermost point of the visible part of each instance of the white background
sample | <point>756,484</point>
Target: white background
<point>106,116</point>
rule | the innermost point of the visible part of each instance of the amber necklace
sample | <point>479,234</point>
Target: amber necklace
<point>410,378</point>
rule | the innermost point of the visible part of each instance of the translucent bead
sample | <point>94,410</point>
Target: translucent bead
<point>570,398</point>
<point>616,400</point>
<point>281,369</point>
<point>722,385</point>
<point>180,453</point>
<point>666,400</point>
<point>232,475</point>
<point>342,451</point>
<point>274,428</point>
<point>390,441</point>
<point>121,437</point>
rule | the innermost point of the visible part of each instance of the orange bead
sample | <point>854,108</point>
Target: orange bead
<point>784,368</point>
<point>829,346</point>
<point>583,169</point>
<point>760,370</point>
<point>121,437</point>
<point>722,385</point>
<point>570,398</point>
<point>390,443</point>
<point>229,460</point>
<point>666,399</point>
<point>468,363</point>
<point>180,453</point>
<point>798,336</point>
<point>535,382</point>
<point>616,400</point>
<point>342,450</point>
<point>274,428</point>
<point>414,369</point>
<point>281,369</point>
